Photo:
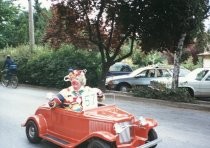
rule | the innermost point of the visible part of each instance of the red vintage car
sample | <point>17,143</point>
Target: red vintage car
<point>105,126</point>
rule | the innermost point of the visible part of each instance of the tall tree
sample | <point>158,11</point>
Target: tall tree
<point>41,17</point>
<point>102,24</point>
<point>170,25</point>
<point>20,32</point>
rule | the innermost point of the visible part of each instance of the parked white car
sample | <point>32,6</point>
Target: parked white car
<point>197,82</point>
<point>141,76</point>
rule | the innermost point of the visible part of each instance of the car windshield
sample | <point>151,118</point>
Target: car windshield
<point>192,75</point>
<point>120,67</point>
<point>201,75</point>
<point>137,71</point>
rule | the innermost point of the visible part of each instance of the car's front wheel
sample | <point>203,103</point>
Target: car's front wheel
<point>32,132</point>
<point>152,135</point>
<point>191,92</point>
<point>96,143</point>
<point>124,87</point>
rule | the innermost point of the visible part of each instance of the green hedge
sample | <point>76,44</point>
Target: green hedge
<point>177,95</point>
<point>46,67</point>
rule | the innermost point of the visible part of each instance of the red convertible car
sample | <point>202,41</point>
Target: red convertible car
<point>105,126</point>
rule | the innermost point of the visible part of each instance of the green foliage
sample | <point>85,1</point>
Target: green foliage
<point>8,13</point>
<point>203,41</point>
<point>177,95</point>
<point>41,17</point>
<point>20,33</point>
<point>189,63</point>
<point>45,67</point>
<point>143,59</point>
<point>14,28</point>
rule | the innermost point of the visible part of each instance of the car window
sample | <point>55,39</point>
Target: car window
<point>115,67</point>
<point>201,74</point>
<point>125,68</point>
<point>143,74</point>
<point>147,73</point>
<point>163,73</point>
<point>208,78</point>
<point>151,73</point>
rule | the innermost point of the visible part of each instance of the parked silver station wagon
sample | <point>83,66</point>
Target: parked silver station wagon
<point>142,76</point>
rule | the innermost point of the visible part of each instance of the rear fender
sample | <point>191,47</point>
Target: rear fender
<point>40,122</point>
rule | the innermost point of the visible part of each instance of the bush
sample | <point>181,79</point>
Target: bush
<point>178,95</point>
<point>46,67</point>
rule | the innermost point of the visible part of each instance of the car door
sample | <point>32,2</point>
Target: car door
<point>65,123</point>
<point>205,86</point>
<point>144,77</point>
<point>59,120</point>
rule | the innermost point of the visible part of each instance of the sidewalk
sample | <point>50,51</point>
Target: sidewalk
<point>200,105</point>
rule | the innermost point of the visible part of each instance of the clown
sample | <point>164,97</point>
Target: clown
<point>77,97</point>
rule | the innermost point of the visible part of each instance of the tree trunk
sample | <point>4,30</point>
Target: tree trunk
<point>105,69</point>
<point>177,57</point>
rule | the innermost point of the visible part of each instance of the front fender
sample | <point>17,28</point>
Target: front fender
<point>107,136</point>
<point>142,129</point>
<point>151,123</point>
<point>40,122</point>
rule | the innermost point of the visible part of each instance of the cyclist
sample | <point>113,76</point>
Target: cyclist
<point>9,66</point>
<point>8,61</point>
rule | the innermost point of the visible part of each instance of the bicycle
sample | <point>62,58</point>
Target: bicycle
<point>9,78</point>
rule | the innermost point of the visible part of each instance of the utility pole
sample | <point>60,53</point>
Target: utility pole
<point>31,25</point>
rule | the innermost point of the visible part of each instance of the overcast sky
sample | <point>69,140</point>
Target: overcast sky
<point>24,3</point>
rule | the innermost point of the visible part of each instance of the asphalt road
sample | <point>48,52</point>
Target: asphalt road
<point>178,127</point>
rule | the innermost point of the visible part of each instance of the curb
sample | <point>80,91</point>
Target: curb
<point>200,105</point>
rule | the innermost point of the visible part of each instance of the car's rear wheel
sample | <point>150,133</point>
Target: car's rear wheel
<point>96,143</point>
<point>32,132</point>
<point>152,135</point>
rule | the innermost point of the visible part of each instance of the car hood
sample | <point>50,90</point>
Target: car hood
<point>110,112</point>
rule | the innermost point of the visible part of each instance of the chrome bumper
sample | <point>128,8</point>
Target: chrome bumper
<point>151,143</point>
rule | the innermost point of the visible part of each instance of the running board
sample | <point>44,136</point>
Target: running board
<point>58,140</point>
<point>151,143</point>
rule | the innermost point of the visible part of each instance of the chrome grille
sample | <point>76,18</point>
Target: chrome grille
<point>125,135</point>
<point>99,126</point>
